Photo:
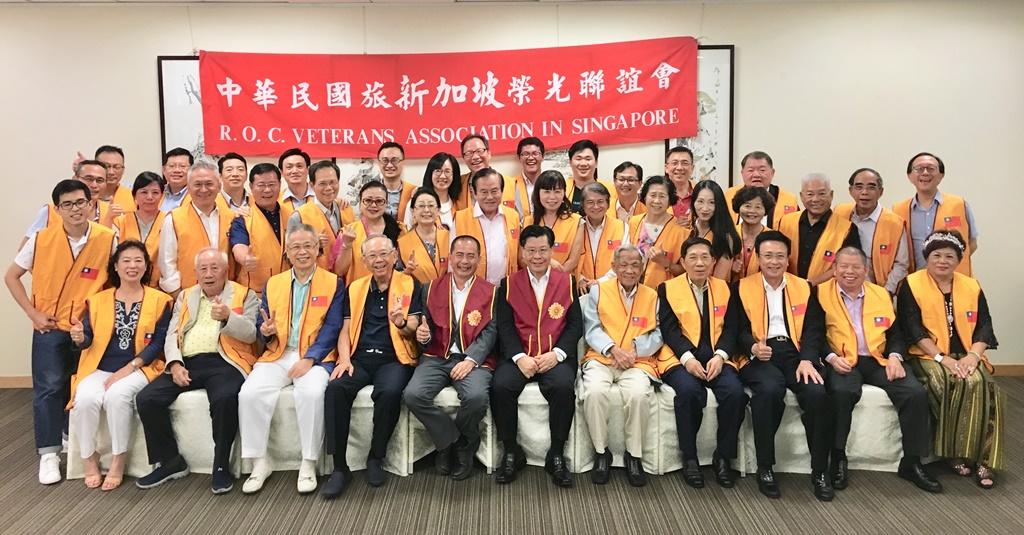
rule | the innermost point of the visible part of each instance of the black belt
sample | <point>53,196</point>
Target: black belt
<point>780,339</point>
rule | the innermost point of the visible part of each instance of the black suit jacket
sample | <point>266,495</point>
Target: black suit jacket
<point>509,343</point>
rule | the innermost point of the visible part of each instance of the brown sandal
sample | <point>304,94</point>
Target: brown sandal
<point>92,481</point>
<point>111,482</point>
<point>983,474</point>
<point>960,467</point>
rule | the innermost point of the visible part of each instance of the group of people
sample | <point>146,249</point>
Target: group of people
<point>192,280</point>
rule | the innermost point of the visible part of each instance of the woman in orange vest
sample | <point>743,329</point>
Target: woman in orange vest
<point>121,337</point>
<point>346,256</point>
<point>944,316</point>
<point>424,249</point>
<point>710,219</point>
<point>659,241</point>
<point>752,204</point>
<point>145,223</point>
<point>439,177</point>
<point>549,199</point>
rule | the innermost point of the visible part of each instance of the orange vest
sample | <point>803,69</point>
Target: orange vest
<point>565,235</point>
<point>638,209</point>
<point>128,228</point>
<point>785,204</point>
<point>192,238</point>
<point>123,196</point>
<point>670,240</point>
<point>268,249</point>
<point>61,283</point>
<point>966,294</point>
<point>515,190</point>
<point>312,215</point>
<point>399,291</point>
<point>101,317</point>
<point>950,215</point>
<point>411,246</point>
<point>684,305</point>
<point>623,325</point>
<point>467,223</point>
<point>878,316</point>
<point>831,240</point>
<point>318,301</point>
<point>106,219</point>
<point>752,266</point>
<point>240,353</point>
<point>403,200</point>
<point>755,304</point>
<point>594,264</point>
<point>884,244</point>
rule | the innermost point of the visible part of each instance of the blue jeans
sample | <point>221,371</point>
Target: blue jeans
<point>54,359</point>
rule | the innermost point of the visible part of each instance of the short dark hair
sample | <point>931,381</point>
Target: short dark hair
<point>230,156</point>
<point>69,185</point>
<point>530,141</point>
<point>471,239</point>
<point>391,145</point>
<point>323,164</point>
<point>694,241</point>
<point>935,245</point>
<point>424,191</point>
<point>437,162</point>
<point>659,180</point>
<point>83,163</point>
<point>178,151</point>
<point>757,155</point>
<point>263,168</point>
<point>676,149</point>
<point>113,278</point>
<point>486,171</point>
<point>582,145</point>
<point>910,164</point>
<point>536,231</point>
<point>462,144</point>
<point>626,165</point>
<point>292,152</point>
<point>868,169</point>
<point>772,235</point>
<point>747,194</point>
<point>146,178</point>
<point>108,148</point>
<point>854,250</point>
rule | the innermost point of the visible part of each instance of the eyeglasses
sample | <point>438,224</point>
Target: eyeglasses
<point>374,202</point>
<point>443,172</point>
<point>425,206</point>
<point>390,161</point>
<point>92,179</point>
<point>68,205</point>
<point>266,185</point>
<point>627,179</point>
<point>595,202</point>
<point>530,155</point>
<point>923,168</point>
<point>373,257</point>
<point>475,152</point>
<point>864,187</point>
<point>538,251</point>
<point>679,163</point>
<point>303,246</point>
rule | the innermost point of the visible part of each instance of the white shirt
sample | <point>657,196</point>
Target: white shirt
<point>167,259</point>
<point>775,298</point>
<point>28,251</point>
<point>622,213</point>
<point>297,201</point>
<point>495,238</point>
<point>458,306</point>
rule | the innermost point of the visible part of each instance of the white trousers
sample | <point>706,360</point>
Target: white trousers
<point>119,403</point>
<point>637,395</point>
<point>258,399</point>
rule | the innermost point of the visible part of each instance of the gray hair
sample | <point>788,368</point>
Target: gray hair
<point>221,255</point>
<point>816,177</point>
<point>628,248</point>
<point>851,250</point>
<point>298,227</point>
<point>204,162</point>
<point>597,188</point>
<point>374,236</point>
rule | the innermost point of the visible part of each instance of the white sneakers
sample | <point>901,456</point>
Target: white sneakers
<point>260,472</point>
<point>307,477</point>
<point>49,469</point>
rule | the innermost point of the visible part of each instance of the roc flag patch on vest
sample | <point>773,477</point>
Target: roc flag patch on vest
<point>637,321</point>
<point>884,249</point>
<point>89,273</point>
<point>719,311</point>
<point>318,301</point>
<point>614,244</point>
<point>830,256</point>
<point>972,316</point>
<point>882,322</point>
<point>951,221</point>
<point>798,310</point>
<point>147,339</point>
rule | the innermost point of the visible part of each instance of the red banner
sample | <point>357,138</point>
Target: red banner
<point>347,105</point>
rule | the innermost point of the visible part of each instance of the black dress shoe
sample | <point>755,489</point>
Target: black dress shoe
<point>724,475</point>
<point>375,474</point>
<point>559,470</point>
<point>335,485</point>
<point>692,474</point>
<point>766,483</point>
<point>463,461</point>
<point>635,471</point>
<point>916,474</point>
<point>823,487</point>
<point>443,461</point>
<point>840,473</point>
<point>602,468</point>
<point>511,463</point>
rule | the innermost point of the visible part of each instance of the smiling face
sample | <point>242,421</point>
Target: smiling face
<point>941,263</point>
<point>379,256</point>
<point>204,185</point>
<point>374,203</point>
<point>698,263</point>
<point>488,193</point>
<point>302,249</point>
<point>130,265</point>
<point>866,191</point>
<point>74,208</point>
<point>115,167</point>
<point>627,182</point>
<point>266,189</point>
<point>442,176</point>
<point>95,177</point>
<point>628,268</point>
<point>391,162</point>
<point>595,206</point>
<point>656,199</point>
<point>424,210</point>
<point>851,272</point>
<point>325,185</point>
<point>531,158</point>
<point>752,211</point>
<point>295,172</point>
<point>757,172</point>
<point>925,174</point>
<point>817,197</point>
<point>583,164</point>
<point>148,198</point>
<point>232,175</point>
<point>212,271</point>
<point>465,257</point>
<point>476,155</point>
<point>551,199</point>
<point>176,172</point>
<point>679,168</point>
<point>537,254</point>
<point>704,206</point>
<point>773,257</point>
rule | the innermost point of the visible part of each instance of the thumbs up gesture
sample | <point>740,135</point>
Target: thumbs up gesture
<point>219,311</point>
<point>250,262</point>
<point>396,315</point>
<point>411,265</point>
<point>77,331</point>
<point>348,236</point>
<point>74,163</point>
<point>761,350</point>
<point>269,326</point>
<point>423,333</point>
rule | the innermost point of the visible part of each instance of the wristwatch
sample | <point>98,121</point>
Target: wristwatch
<point>938,357</point>
<point>135,367</point>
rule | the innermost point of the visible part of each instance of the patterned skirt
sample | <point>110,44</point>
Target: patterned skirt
<point>967,413</point>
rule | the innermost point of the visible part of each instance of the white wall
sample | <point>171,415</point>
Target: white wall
<point>822,87</point>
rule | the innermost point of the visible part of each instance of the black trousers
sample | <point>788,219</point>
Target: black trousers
<point>907,394</point>
<point>557,385</point>
<point>692,397</point>
<point>768,380</point>
<point>222,382</point>
<point>388,377</point>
